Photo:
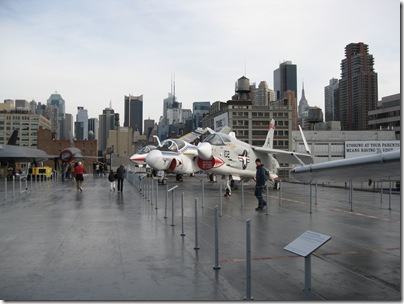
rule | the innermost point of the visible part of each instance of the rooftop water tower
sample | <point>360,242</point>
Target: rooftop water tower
<point>243,88</point>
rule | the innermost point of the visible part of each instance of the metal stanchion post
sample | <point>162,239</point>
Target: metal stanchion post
<point>151,191</point>
<point>157,193</point>
<point>316,193</point>
<point>267,200</point>
<point>242,194</point>
<point>182,214</point>
<point>390,195</point>
<point>172,207</point>
<point>203,193</point>
<point>248,261</point>
<point>166,202</point>
<point>196,224</point>
<point>13,186</point>
<point>5,188</point>
<point>311,196</point>
<point>381,193</point>
<point>221,201</point>
<point>216,266</point>
<point>350,194</point>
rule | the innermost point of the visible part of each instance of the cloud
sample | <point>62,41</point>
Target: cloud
<point>92,52</point>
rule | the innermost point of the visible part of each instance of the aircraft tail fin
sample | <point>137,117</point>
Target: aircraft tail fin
<point>13,138</point>
<point>269,141</point>
<point>225,130</point>
<point>306,146</point>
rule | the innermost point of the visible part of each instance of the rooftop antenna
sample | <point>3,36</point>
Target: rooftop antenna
<point>174,90</point>
<point>110,104</point>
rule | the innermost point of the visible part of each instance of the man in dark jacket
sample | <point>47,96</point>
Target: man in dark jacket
<point>120,174</point>
<point>259,184</point>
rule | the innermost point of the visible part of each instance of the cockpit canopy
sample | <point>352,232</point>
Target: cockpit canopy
<point>172,144</point>
<point>218,139</point>
<point>146,149</point>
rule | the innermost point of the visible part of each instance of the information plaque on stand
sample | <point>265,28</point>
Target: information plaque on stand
<point>307,243</point>
<point>304,246</point>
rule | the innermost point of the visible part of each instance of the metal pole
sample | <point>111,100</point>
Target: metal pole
<point>242,194</point>
<point>350,194</point>
<point>165,213</point>
<point>216,266</point>
<point>267,200</point>
<point>151,191</point>
<point>13,186</point>
<point>5,188</point>
<point>157,193</point>
<point>196,224</point>
<point>182,214</point>
<point>390,195</point>
<point>381,193</point>
<point>316,194</point>
<point>248,261</point>
<point>221,201</point>
<point>203,193</point>
<point>307,277</point>
<point>311,196</point>
<point>172,208</point>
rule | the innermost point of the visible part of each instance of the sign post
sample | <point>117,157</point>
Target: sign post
<point>304,246</point>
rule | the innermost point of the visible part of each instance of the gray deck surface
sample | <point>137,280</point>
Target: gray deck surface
<point>60,244</point>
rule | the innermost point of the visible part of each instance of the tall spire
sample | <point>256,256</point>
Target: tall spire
<point>303,103</point>
<point>303,96</point>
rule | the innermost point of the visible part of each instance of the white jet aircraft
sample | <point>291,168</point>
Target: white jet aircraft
<point>223,154</point>
<point>176,155</point>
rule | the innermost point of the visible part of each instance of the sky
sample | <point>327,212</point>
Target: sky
<point>94,52</point>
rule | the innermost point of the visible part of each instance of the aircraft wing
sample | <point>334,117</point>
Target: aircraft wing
<point>380,166</point>
<point>288,157</point>
<point>190,137</point>
<point>21,154</point>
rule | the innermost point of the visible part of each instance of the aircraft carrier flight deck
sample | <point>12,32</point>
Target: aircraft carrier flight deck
<point>186,241</point>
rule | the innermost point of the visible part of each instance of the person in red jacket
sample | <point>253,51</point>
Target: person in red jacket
<point>79,171</point>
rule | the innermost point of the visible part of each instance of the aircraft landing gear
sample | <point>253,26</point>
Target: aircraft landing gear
<point>228,187</point>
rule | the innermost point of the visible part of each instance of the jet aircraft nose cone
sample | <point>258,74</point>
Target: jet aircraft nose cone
<point>155,160</point>
<point>205,150</point>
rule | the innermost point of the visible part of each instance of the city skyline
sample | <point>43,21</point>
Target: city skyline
<point>93,53</point>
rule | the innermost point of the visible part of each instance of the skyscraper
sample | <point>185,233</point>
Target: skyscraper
<point>81,124</point>
<point>134,113</point>
<point>285,78</point>
<point>93,127</point>
<point>263,95</point>
<point>331,101</point>
<point>57,101</point>
<point>199,109</point>
<point>106,123</point>
<point>357,87</point>
<point>303,103</point>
